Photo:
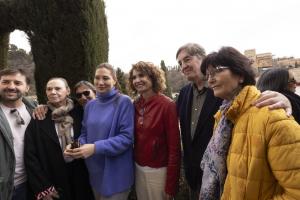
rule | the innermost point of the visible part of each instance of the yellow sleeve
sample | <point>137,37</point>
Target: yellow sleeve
<point>283,137</point>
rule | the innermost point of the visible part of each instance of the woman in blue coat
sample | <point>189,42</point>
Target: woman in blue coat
<point>107,138</point>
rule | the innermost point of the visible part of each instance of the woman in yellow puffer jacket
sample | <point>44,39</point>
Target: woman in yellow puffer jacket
<point>254,152</point>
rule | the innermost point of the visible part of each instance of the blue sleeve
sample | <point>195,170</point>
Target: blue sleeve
<point>83,135</point>
<point>124,137</point>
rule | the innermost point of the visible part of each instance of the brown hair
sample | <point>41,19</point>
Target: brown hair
<point>156,75</point>
<point>14,71</point>
<point>236,62</point>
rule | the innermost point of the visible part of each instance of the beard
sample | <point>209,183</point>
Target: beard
<point>4,96</point>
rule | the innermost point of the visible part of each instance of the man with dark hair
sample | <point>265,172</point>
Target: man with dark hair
<point>196,105</point>
<point>14,116</point>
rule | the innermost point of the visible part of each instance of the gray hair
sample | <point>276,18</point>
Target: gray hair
<point>193,49</point>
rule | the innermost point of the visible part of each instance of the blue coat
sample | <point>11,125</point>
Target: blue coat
<point>109,124</point>
<point>193,149</point>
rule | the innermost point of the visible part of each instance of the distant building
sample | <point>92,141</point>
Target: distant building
<point>260,61</point>
<point>264,61</point>
<point>288,62</point>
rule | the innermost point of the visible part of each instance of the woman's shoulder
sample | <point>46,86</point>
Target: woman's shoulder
<point>124,98</point>
<point>163,99</point>
<point>267,115</point>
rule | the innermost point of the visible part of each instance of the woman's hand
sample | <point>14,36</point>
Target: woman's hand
<point>51,196</point>
<point>274,100</point>
<point>40,112</point>
<point>68,151</point>
<point>84,151</point>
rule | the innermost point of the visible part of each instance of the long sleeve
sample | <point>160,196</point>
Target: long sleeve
<point>83,133</point>
<point>284,157</point>
<point>35,174</point>
<point>174,154</point>
<point>123,139</point>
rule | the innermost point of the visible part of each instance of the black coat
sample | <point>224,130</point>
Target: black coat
<point>295,102</point>
<point>45,165</point>
<point>193,149</point>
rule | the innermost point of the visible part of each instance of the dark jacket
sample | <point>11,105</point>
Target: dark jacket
<point>295,102</point>
<point>45,165</point>
<point>7,155</point>
<point>193,149</point>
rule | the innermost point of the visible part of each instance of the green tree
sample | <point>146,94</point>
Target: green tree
<point>122,80</point>
<point>20,58</point>
<point>168,90</point>
<point>68,38</point>
<point>4,40</point>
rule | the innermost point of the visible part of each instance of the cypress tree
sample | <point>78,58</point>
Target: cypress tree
<point>122,80</point>
<point>4,40</point>
<point>163,67</point>
<point>68,38</point>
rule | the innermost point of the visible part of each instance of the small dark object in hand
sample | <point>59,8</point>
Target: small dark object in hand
<point>75,144</point>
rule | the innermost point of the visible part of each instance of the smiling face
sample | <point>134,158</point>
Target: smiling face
<point>190,66</point>
<point>13,88</point>
<point>224,83</point>
<point>57,92</point>
<point>104,80</point>
<point>141,82</point>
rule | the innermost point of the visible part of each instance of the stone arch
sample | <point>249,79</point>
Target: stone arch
<point>68,38</point>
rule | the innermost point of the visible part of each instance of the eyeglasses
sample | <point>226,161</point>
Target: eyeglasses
<point>215,71</point>
<point>292,81</point>
<point>85,93</point>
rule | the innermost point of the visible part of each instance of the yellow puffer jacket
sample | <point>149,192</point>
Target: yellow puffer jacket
<point>263,161</point>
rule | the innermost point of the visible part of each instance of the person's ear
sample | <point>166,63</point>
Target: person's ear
<point>27,89</point>
<point>68,91</point>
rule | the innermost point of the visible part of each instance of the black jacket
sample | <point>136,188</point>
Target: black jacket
<point>295,102</point>
<point>193,149</point>
<point>45,165</point>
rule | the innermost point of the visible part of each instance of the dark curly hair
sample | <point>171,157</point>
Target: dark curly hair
<point>156,75</point>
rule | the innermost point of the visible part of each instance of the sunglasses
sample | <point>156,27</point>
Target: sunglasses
<point>85,93</point>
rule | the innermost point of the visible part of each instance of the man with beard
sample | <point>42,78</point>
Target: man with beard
<point>14,116</point>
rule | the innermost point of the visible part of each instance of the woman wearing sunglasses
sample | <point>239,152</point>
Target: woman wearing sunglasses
<point>84,92</point>
<point>283,81</point>
<point>50,174</point>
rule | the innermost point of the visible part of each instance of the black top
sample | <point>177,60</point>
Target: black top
<point>193,149</point>
<point>295,101</point>
<point>45,165</point>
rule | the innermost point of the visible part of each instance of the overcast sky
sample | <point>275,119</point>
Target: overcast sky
<point>152,30</point>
